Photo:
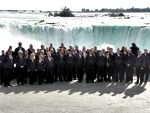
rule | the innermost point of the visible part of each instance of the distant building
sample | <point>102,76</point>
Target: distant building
<point>87,10</point>
<point>83,10</point>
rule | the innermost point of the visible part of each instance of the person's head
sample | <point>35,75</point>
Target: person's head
<point>42,52</point>
<point>62,44</point>
<point>26,53</point>
<point>111,50</point>
<point>139,53</point>
<point>51,45</point>
<point>49,54</point>
<point>31,46</point>
<point>90,52</point>
<point>133,44</point>
<point>108,48</point>
<point>95,48</point>
<point>125,49</point>
<point>80,53</point>
<point>69,51</point>
<point>41,57</point>
<point>32,56</point>
<point>107,53</point>
<point>19,44</point>
<point>76,47</point>
<point>118,50</point>
<point>103,50</point>
<point>100,52</point>
<point>129,51</point>
<point>70,47</point>
<point>83,48</point>
<point>42,46</point>
<point>9,52</point>
<point>3,52</point>
<point>145,51</point>
<point>47,49</point>
<point>20,53</point>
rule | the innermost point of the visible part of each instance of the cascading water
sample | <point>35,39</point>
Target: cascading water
<point>81,36</point>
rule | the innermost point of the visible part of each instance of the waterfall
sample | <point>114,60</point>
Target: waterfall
<point>116,36</point>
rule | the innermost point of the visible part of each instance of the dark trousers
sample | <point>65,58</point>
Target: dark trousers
<point>20,76</point>
<point>1,75</point>
<point>146,70</point>
<point>140,74</point>
<point>61,72</point>
<point>90,73</point>
<point>40,76</point>
<point>55,73</point>
<point>118,72</point>
<point>49,75</point>
<point>101,74</point>
<point>69,72</point>
<point>108,73</point>
<point>80,73</point>
<point>74,72</point>
<point>7,76</point>
<point>129,73</point>
<point>31,77</point>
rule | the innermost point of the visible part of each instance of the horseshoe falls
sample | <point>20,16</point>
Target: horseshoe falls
<point>89,32</point>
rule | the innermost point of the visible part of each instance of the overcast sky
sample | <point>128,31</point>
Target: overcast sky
<point>75,5</point>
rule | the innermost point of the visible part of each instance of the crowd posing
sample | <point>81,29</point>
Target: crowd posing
<point>47,65</point>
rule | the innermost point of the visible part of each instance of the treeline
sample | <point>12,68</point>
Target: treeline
<point>119,10</point>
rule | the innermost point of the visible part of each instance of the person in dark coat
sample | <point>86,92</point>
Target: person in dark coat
<point>19,48</point>
<point>8,68</point>
<point>30,49</point>
<point>70,60</point>
<point>118,66</point>
<point>32,67</point>
<point>1,67</point>
<point>146,58</point>
<point>129,62</point>
<point>139,65</point>
<point>60,61</point>
<point>100,62</point>
<point>80,65</point>
<point>20,64</point>
<point>112,67</point>
<point>26,73</point>
<point>108,66</point>
<point>134,49</point>
<point>41,69</point>
<point>90,65</point>
<point>49,63</point>
<point>52,48</point>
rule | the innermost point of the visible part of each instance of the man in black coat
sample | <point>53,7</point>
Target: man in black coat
<point>118,60</point>
<point>139,65</point>
<point>60,61</point>
<point>49,64</point>
<point>1,66</point>
<point>70,61</point>
<point>8,68</point>
<point>90,65</point>
<point>146,58</point>
<point>20,65</point>
<point>19,48</point>
<point>134,49</point>
<point>129,62</point>
<point>100,62</point>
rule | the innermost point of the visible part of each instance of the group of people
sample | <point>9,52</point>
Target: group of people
<point>47,65</point>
